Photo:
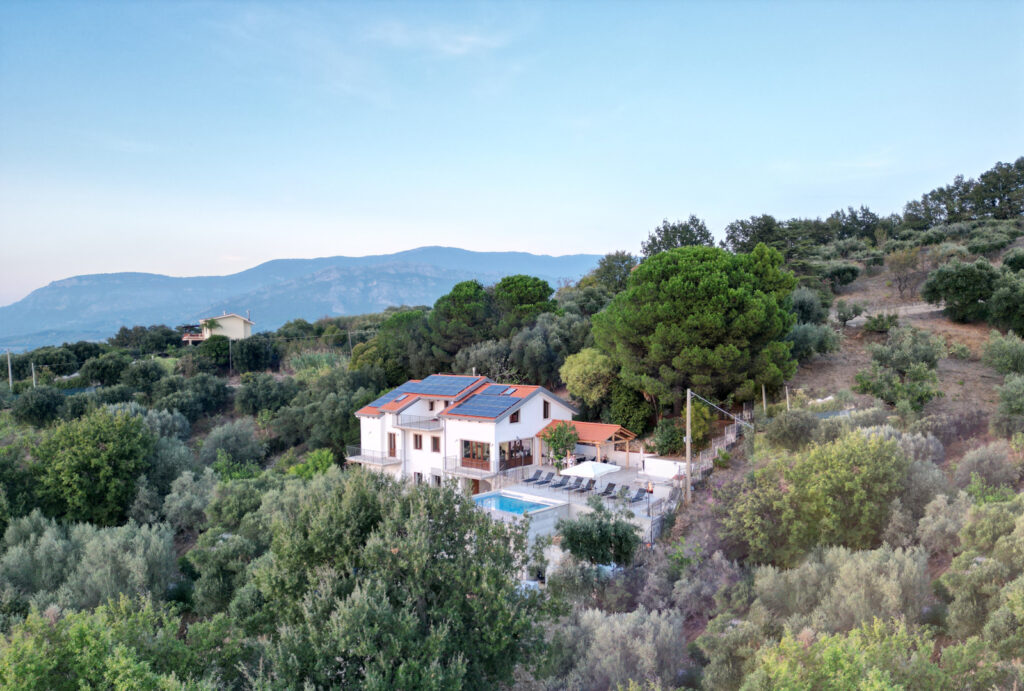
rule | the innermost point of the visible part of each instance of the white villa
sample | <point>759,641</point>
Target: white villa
<point>446,425</point>
<point>234,326</point>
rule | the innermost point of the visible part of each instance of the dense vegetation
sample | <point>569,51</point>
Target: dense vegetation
<point>814,568</point>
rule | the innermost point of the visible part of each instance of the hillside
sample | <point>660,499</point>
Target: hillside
<point>91,307</point>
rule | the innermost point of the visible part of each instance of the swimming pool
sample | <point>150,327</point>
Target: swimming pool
<point>508,504</point>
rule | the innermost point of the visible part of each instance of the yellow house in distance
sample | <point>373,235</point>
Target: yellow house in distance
<point>234,326</point>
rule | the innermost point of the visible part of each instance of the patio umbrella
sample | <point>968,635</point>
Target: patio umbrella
<point>591,469</point>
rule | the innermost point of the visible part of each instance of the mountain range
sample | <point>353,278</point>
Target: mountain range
<point>95,306</point>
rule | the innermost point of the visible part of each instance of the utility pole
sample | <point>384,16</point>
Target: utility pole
<point>787,397</point>
<point>10,372</point>
<point>349,332</point>
<point>33,374</point>
<point>229,357</point>
<point>689,461</point>
<point>764,400</point>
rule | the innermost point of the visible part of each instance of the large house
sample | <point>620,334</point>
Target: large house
<point>234,326</point>
<point>460,426</point>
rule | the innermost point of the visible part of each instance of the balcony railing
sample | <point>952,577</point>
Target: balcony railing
<point>370,457</point>
<point>424,422</point>
<point>467,467</point>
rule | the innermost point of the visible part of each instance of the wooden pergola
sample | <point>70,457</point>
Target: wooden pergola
<point>597,434</point>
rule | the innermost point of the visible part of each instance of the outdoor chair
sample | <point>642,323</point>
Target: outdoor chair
<point>561,483</point>
<point>536,476</point>
<point>586,487</point>
<point>592,459</point>
<point>574,485</point>
<point>608,490</point>
<point>546,480</point>
<point>639,496</point>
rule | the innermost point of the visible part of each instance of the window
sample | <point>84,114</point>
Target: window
<point>437,480</point>
<point>418,478</point>
<point>430,405</point>
<point>435,444</point>
<point>547,410</point>
<point>417,441</point>
<point>514,417</point>
<point>476,450</point>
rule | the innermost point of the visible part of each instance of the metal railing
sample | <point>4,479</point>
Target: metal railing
<point>424,422</point>
<point>372,457</point>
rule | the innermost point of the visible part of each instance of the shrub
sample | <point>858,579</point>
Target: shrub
<point>168,423</point>
<point>807,340</point>
<point>987,242</point>
<point>793,429</point>
<point>87,467</point>
<point>263,392</point>
<point>960,351</point>
<point>119,393</point>
<point>669,436</point>
<point>1014,259</point>
<point>142,375</point>
<point>1005,354</point>
<point>881,322</point>
<point>944,518</point>
<point>81,566</point>
<point>169,459</point>
<point>837,589</point>
<point>316,462</point>
<point>847,311</point>
<point>237,440</point>
<point>1004,307</point>
<point>38,406</point>
<point>838,493</point>
<point>1009,416</point>
<point>646,646</point>
<point>840,273</point>
<point>963,288</point>
<point>991,463</point>
<point>807,307</point>
<point>949,428</point>
<point>184,507</point>
<point>600,536</point>
<point>106,369</point>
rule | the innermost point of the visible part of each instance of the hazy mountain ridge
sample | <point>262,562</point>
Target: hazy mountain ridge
<point>94,306</point>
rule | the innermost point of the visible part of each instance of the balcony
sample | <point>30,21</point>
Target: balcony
<point>357,454</point>
<point>420,422</point>
<point>467,467</point>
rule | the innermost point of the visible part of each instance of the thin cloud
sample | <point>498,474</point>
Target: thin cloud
<point>443,41</point>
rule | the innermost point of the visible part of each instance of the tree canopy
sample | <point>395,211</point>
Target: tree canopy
<point>701,318</point>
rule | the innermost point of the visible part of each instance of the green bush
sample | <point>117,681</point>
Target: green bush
<point>847,311</point>
<point>106,369</point>
<point>792,429</point>
<point>808,340</point>
<point>837,493</point>
<point>881,322</point>
<point>960,351</point>
<point>1014,259</point>
<point>991,463</point>
<point>840,273</point>
<point>629,408</point>
<point>263,392</point>
<point>1004,307</point>
<point>599,536</point>
<point>987,242</point>
<point>38,406</point>
<point>1009,416</point>
<point>964,289</point>
<point>807,307</point>
<point>237,440</point>
<point>1005,353</point>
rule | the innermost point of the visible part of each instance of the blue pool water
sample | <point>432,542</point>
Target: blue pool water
<point>508,504</point>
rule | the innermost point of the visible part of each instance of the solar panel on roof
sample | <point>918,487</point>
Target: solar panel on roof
<point>492,389</point>
<point>391,395</point>
<point>482,405</point>
<point>442,385</point>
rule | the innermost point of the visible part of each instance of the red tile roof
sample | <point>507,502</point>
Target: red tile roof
<point>593,432</point>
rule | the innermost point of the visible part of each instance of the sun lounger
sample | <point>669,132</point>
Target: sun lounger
<point>608,490</point>
<point>536,476</point>
<point>546,480</point>
<point>588,486</point>
<point>561,483</point>
<point>574,485</point>
<point>638,496</point>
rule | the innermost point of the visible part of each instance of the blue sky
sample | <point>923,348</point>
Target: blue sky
<point>205,138</point>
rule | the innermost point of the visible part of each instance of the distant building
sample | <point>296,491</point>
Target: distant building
<point>459,426</point>
<point>234,326</point>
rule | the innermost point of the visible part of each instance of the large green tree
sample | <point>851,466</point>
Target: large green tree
<point>462,317</point>
<point>963,288</point>
<point>701,318</point>
<point>667,236</point>
<point>87,467</point>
